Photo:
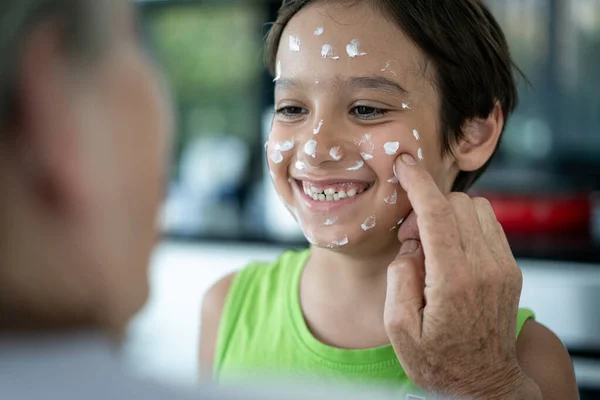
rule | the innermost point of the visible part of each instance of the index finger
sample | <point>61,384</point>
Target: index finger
<point>438,228</point>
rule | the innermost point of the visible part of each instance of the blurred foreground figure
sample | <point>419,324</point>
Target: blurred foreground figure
<point>84,136</point>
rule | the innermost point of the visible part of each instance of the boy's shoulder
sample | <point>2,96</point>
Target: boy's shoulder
<point>255,273</point>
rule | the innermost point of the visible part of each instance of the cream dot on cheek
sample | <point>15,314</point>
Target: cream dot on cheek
<point>276,157</point>
<point>391,148</point>
<point>286,145</point>
<point>392,199</point>
<point>369,223</point>
<point>416,134</point>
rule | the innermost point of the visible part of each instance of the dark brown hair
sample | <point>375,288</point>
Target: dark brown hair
<point>465,44</point>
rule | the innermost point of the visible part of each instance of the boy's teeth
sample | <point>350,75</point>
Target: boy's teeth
<point>330,194</point>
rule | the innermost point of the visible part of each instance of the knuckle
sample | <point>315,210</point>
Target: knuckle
<point>482,204</point>
<point>459,198</point>
<point>395,323</point>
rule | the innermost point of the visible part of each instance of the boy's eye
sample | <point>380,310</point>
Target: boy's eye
<point>366,112</point>
<point>291,112</point>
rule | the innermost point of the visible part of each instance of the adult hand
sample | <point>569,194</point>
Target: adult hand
<point>452,296</point>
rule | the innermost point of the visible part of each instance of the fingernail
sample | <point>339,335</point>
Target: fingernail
<point>408,159</point>
<point>409,247</point>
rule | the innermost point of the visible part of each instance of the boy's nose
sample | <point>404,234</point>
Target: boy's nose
<point>320,145</point>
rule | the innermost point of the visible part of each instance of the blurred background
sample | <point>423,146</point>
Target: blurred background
<point>544,184</point>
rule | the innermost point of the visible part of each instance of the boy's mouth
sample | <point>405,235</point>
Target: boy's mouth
<point>333,191</point>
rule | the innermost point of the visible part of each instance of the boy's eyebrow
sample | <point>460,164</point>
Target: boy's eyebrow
<point>375,82</point>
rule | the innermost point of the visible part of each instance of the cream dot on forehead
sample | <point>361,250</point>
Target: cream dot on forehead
<point>294,43</point>
<point>353,49</point>
<point>319,31</point>
<point>277,71</point>
<point>327,51</point>
<point>387,68</point>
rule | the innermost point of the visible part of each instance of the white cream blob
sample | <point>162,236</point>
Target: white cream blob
<point>310,148</point>
<point>294,43</point>
<point>420,154</point>
<point>335,153</point>
<point>405,106</point>
<point>277,71</point>
<point>353,49</point>
<point>359,164</point>
<point>327,51</point>
<point>392,199</point>
<point>338,243</point>
<point>366,156</point>
<point>416,134</point>
<point>318,128</point>
<point>391,148</point>
<point>393,180</point>
<point>301,165</point>
<point>319,31</point>
<point>310,237</point>
<point>369,223</point>
<point>387,68</point>
<point>330,221</point>
<point>286,145</point>
<point>276,157</point>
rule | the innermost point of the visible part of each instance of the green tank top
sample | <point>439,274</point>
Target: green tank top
<point>263,332</point>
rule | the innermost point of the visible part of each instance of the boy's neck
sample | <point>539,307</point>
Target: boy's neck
<point>353,270</point>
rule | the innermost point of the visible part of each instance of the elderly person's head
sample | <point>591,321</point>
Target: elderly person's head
<point>84,135</point>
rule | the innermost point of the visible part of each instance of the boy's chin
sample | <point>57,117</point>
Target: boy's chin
<point>348,240</point>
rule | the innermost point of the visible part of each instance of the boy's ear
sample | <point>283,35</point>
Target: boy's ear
<point>480,139</point>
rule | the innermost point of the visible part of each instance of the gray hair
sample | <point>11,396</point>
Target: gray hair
<point>80,26</point>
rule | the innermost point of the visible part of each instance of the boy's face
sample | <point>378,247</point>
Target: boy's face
<point>341,122</point>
